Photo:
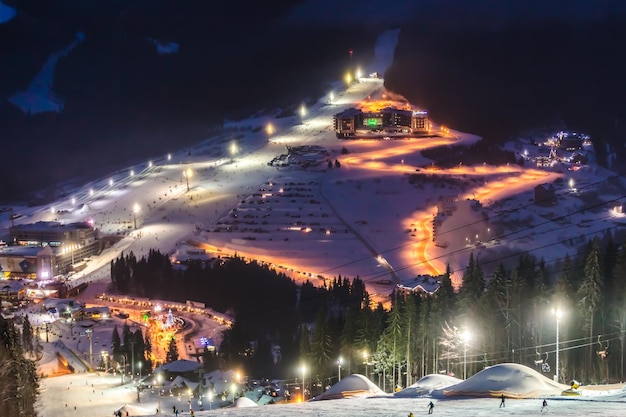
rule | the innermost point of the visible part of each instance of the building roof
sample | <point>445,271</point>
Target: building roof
<point>25,251</point>
<point>180,366</point>
<point>51,226</point>
<point>11,285</point>
<point>351,112</point>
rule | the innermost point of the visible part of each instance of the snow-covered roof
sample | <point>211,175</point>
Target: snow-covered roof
<point>244,402</point>
<point>180,366</point>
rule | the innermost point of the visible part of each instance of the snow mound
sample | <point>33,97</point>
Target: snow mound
<point>244,402</point>
<point>427,384</point>
<point>511,379</point>
<point>355,385</point>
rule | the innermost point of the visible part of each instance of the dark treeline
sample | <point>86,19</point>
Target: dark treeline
<point>510,315</point>
<point>19,382</point>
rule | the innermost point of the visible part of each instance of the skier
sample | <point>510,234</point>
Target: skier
<point>430,407</point>
<point>502,401</point>
<point>544,406</point>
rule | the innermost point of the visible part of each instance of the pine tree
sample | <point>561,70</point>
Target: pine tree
<point>27,335</point>
<point>590,292</point>
<point>172,351</point>
<point>321,341</point>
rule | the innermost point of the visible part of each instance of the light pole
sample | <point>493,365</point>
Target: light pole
<point>302,112</point>
<point>89,331</point>
<point>303,369</point>
<point>139,365</point>
<point>233,151</point>
<point>159,378</point>
<point>188,173</point>
<point>269,130</point>
<point>135,211</point>
<point>365,361</point>
<point>233,389</point>
<point>339,362</point>
<point>557,313</point>
<point>465,337</point>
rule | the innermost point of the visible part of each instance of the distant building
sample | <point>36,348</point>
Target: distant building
<point>70,243</point>
<point>545,195</point>
<point>12,291</point>
<point>386,122</point>
<point>422,284</point>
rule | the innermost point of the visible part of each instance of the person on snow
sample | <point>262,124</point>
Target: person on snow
<point>430,407</point>
<point>502,401</point>
<point>544,405</point>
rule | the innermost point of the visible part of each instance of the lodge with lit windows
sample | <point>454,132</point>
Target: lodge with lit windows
<point>388,122</point>
<point>43,250</point>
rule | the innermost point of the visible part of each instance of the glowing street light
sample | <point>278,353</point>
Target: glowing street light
<point>269,131</point>
<point>233,151</point>
<point>558,314</point>
<point>365,357</point>
<point>233,390</point>
<point>348,78</point>
<point>169,156</point>
<point>339,363</point>
<point>303,369</point>
<point>110,182</point>
<point>210,396</point>
<point>465,338</point>
<point>188,173</point>
<point>135,211</point>
<point>358,74</point>
<point>331,97</point>
<point>73,200</point>
<point>132,172</point>
<point>149,164</point>
<point>302,111</point>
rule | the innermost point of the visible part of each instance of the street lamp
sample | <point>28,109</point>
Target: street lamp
<point>210,395</point>
<point>89,335</point>
<point>159,378</point>
<point>303,369</point>
<point>135,211</point>
<point>465,337</point>
<point>269,130</point>
<point>302,111</point>
<point>339,362</point>
<point>557,313</point>
<point>188,173</point>
<point>105,359</point>
<point>233,389</point>
<point>139,365</point>
<point>331,97</point>
<point>233,151</point>
<point>365,361</point>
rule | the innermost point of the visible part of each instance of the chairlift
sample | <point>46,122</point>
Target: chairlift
<point>604,348</point>
<point>542,362</point>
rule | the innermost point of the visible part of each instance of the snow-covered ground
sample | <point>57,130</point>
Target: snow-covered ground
<point>96,395</point>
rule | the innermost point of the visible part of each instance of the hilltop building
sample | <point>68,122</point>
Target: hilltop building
<point>386,122</point>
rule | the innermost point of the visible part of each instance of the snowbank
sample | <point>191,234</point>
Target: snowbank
<point>355,385</point>
<point>511,379</point>
<point>244,402</point>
